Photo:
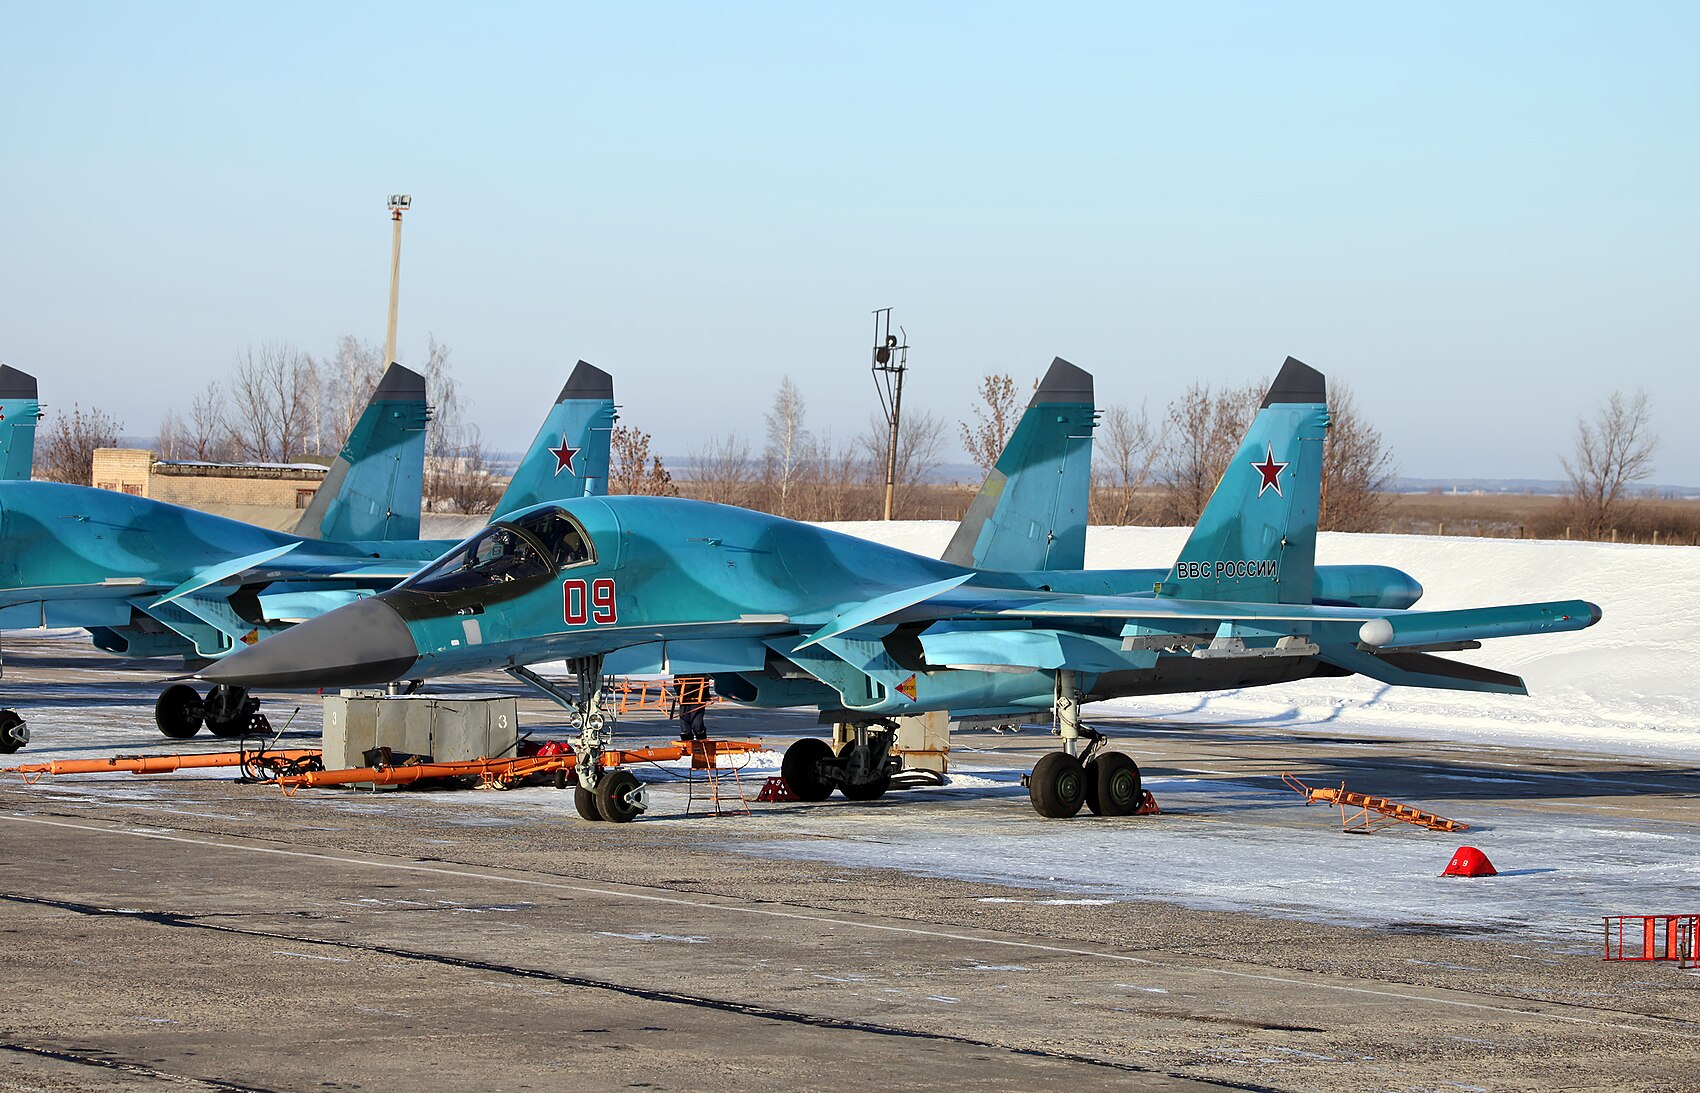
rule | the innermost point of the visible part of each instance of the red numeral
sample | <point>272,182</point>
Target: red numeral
<point>580,603</point>
<point>602,600</point>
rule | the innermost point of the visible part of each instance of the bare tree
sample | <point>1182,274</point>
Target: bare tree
<point>1357,472</point>
<point>635,470</point>
<point>994,419</point>
<point>836,477</point>
<point>1612,453</point>
<point>168,443</point>
<point>206,435</point>
<point>788,444</point>
<point>917,449</point>
<point>1125,448</point>
<point>350,377</point>
<point>462,480</point>
<point>268,405</point>
<point>1204,431</point>
<point>67,451</point>
<point>722,471</point>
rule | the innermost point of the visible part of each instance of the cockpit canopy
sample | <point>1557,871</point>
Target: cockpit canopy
<point>536,545</point>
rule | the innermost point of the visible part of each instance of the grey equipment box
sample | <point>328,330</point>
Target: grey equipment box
<point>446,729</point>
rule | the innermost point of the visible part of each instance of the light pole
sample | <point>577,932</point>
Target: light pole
<point>399,203</point>
<point>891,360</point>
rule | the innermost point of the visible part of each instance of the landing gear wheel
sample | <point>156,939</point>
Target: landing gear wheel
<point>1117,789</point>
<point>866,791</point>
<point>801,769</point>
<point>178,711</point>
<point>229,710</point>
<point>1057,786</point>
<point>14,734</point>
<point>585,802</point>
<point>617,797</point>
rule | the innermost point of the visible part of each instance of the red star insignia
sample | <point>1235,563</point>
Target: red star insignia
<point>1270,470</point>
<point>564,456</point>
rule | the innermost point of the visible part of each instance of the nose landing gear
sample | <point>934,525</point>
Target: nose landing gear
<point>227,711</point>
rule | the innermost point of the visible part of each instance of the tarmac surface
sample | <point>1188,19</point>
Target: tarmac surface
<point>188,932</point>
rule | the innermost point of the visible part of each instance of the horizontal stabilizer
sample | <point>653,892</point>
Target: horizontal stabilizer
<point>224,570</point>
<point>1423,670</point>
<point>879,607</point>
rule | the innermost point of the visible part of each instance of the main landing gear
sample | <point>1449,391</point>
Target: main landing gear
<point>1063,781</point>
<point>861,769</point>
<point>226,711</point>
<point>616,795</point>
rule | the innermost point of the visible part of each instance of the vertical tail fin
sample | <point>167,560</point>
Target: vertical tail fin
<point>19,411</point>
<point>1256,539</point>
<point>373,488</point>
<point>1031,512</point>
<point>570,456</point>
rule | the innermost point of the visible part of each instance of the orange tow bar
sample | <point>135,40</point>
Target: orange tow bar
<point>503,773</point>
<point>163,764</point>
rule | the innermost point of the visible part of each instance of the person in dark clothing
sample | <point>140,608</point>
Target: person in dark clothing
<point>693,704</point>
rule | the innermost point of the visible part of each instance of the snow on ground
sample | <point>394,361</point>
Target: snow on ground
<point>1624,685</point>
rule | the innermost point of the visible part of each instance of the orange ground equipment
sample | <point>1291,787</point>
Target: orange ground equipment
<point>774,790</point>
<point>1373,813</point>
<point>507,773</point>
<point>257,765</point>
<point>1674,938</point>
<point>663,695</point>
<point>719,790</point>
<point>1469,862</point>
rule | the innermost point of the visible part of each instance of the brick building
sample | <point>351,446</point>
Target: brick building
<point>283,488</point>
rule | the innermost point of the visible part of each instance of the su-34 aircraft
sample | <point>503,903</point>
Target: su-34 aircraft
<point>782,613</point>
<point>151,579</point>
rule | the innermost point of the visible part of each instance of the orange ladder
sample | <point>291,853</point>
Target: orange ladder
<point>1386,813</point>
<point>709,788</point>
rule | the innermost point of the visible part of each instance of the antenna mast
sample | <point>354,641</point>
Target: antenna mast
<point>891,360</point>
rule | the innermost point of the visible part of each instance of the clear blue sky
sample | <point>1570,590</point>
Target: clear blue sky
<point>1482,216</point>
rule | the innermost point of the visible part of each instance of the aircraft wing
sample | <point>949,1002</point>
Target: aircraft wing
<point>1372,627</point>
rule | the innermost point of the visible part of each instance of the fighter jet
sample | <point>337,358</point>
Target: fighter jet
<point>782,613</point>
<point>152,579</point>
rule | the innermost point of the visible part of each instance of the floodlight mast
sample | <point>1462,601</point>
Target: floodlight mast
<point>891,360</point>
<point>399,203</point>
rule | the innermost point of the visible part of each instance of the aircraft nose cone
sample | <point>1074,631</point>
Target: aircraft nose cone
<point>360,645</point>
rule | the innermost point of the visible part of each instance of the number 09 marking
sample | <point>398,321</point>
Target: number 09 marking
<point>581,604</point>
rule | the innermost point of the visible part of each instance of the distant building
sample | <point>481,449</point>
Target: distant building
<point>210,486</point>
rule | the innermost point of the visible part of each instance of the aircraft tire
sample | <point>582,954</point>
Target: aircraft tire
<point>1093,805</point>
<point>178,711</point>
<point>14,734</point>
<point>866,791</point>
<point>236,723</point>
<point>1119,788</point>
<point>585,802</point>
<point>801,769</point>
<point>1057,786</point>
<point>612,797</point>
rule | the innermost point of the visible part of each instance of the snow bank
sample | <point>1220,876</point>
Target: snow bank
<point>1621,685</point>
